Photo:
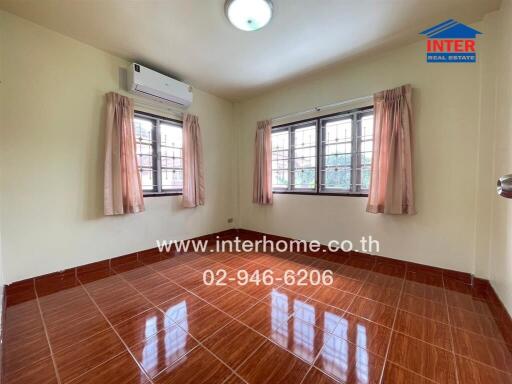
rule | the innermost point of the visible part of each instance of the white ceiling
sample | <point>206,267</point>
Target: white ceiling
<point>193,41</point>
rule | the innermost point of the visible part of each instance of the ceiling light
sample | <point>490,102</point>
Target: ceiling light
<point>248,15</point>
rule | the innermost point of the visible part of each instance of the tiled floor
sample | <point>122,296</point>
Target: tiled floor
<point>148,320</point>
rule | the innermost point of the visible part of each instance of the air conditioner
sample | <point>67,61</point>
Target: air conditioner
<point>153,85</point>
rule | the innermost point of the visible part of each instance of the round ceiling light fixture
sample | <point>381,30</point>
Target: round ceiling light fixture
<point>248,15</point>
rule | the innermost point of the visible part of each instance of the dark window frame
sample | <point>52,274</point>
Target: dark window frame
<point>320,148</point>
<point>156,146</point>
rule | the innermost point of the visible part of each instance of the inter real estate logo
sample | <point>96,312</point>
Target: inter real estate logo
<point>451,42</point>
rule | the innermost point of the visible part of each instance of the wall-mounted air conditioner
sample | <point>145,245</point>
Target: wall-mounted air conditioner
<point>153,85</point>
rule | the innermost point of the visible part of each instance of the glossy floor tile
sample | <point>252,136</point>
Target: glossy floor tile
<point>149,318</point>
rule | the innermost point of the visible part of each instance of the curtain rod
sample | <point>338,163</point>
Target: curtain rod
<point>322,107</point>
<point>157,106</point>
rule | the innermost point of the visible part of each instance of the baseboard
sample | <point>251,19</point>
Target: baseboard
<point>16,292</point>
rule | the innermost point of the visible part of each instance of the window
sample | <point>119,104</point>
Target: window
<point>294,157</point>
<point>159,152</point>
<point>326,155</point>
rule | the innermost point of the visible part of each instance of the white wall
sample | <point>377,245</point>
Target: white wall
<point>51,158</point>
<point>446,131</point>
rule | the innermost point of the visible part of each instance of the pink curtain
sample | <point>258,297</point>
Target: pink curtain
<point>262,183</point>
<point>122,188</point>
<point>193,173</point>
<point>391,189</point>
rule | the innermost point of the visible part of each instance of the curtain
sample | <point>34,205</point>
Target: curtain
<point>122,188</point>
<point>262,180</point>
<point>391,189</point>
<point>193,174</point>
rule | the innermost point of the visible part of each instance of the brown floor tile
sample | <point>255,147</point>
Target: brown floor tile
<point>265,319</point>
<point>80,358</point>
<point>425,277</point>
<point>393,374</point>
<point>471,372</point>
<point>42,372</point>
<point>424,359</point>
<point>162,350</point>
<point>205,322</point>
<point>348,363</point>
<point>197,367</point>
<point>385,281</point>
<point>468,302</point>
<point>346,284</point>
<point>259,292</point>
<point>470,321</point>
<point>424,291</point>
<point>120,370</point>
<point>372,310</point>
<point>315,376</point>
<point>363,333</point>
<point>24,337</point>
<point>352,272</point>
<point>424,329</point>
<point>319,314</point>
<point>142,326</point>
<point>118,311</point>
<point>64,333</point>
<point>161,293</point>
<point>234,303</point>
<point>234,379</point>
<point>234,343</point>
<point>430,309</point>
<point>388,296</point>
<point>272,364</point>
<point>301,338</point>
<point>211,293</point>
<point>181,307</point>
<point>334,297</point>
<point>483,349</point>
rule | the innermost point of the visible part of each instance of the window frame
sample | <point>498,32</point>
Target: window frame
<point>157,160</point>
<point>356,113</point>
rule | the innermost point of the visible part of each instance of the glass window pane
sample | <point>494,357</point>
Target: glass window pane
<point>337,178</point>
<point>280,179</point>
<point>305,137</point>
<point>338,131</point>
<point>172,179</point>
<point>147,179</point>
<point>171,135</point>
<point>280,159</point>
<point>143,129</point>
<point>305,178</point>
<point>367,127</point>
<point>280,140</point>
<point>344,159</point>
<point>172,162</point>
<point>365,178</point>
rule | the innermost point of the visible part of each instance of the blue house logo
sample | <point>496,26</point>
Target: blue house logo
<point>451,42</point>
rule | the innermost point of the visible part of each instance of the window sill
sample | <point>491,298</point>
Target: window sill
<point>163,194</point>
<point>320,193</point>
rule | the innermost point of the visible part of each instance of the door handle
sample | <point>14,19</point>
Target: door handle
<point>505,186</point>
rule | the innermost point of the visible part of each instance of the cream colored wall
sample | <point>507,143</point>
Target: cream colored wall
<point>446,109</point>
<point>51,158</point>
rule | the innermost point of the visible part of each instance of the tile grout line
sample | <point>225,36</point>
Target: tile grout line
<point>199,343</point>
<point>117,334</point>
<point>237,320</point>
<point>393,326</point>
<point>344,312</point>
<point>356,295</point>
<point>451,333</point>
<point>46,334</point>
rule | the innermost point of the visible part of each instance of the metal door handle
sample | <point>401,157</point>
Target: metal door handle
<point>505,186</point>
